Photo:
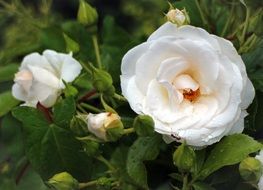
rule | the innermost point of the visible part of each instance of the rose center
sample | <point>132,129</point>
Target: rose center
<point>190,94</point>
<point>187,86</point>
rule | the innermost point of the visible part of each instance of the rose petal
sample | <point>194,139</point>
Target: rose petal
<point>184,32</point>
<point>70,69</point>
<point>170,68</point>
<point>18,92</point>
<point>44,76</point>
<point>131,57</point>
<point>185,82</point>
<point>136,98</point>
<point>239,124</point>
<point>248,94</point>
<point>35,59</point>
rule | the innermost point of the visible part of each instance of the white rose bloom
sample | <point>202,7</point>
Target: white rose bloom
<point>193,84</point>
<point>98,123</point>
<point>260,158</point>
<point>40,77</point>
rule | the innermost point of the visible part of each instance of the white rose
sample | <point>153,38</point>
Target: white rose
<point>40,77</point>
<point>193,84</point>
<point>260,158</point>
<point>98,123</point>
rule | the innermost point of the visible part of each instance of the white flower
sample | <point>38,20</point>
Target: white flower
<point>98,123</point>
<point>193,84</point>
<point>40,77</point>
<point>260,158</point>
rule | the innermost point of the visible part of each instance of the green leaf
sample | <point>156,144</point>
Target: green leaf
<point>7,102</point>
<point>254,59</point>
<point>71,45</point>
<point>51,149</point>
<point>64,112</point>
<point>119,160</point>
<point>52,38</point>
<point>79,34</point>
<point>199,161</point>
<point>144,148</point>
<point>229,151</point>
<point>7,72</point>
<point>202,186</point>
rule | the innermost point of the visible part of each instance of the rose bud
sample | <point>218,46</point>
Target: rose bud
<point>184,157</point>
<point>178,17</point>
<point>102,81</point>
<point>106,126</point>
<point>143,125</point>
<point>63,181</point>
<point>87,15</point>
<point>250,169</point>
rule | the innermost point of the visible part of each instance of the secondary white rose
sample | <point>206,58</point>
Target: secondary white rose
<point>193,84</point>
<point>98,123</point>
<point>260,158</point>
<point>40,77</point>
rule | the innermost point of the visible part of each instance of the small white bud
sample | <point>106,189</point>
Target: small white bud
<point>179,17</point>
<point>98,124</point>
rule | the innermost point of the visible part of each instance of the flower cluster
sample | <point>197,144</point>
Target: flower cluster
<point>192,83</point>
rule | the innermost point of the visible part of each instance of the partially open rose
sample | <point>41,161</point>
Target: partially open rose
<point>193,84</point>
<point>98,124</point>
<point>40,77</point>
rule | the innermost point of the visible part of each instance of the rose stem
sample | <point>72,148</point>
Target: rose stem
<point>201,14</point>
<point>106,162</point>
<point>81,109</point>
<point>45,111</point>
<point>228,20</point>
<point>119,97</point>
<point>88,95</point>
<point>97,51</point>
<point>88,184</point>
<point>128,131</point>
<point>91,108</point>
<point>22,172</point>
<point>245,26</point>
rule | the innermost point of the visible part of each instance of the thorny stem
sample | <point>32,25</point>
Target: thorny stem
<point>87,96</point>
<point>22,172</point>
<point>45,111</point>
<point>97,51</point>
